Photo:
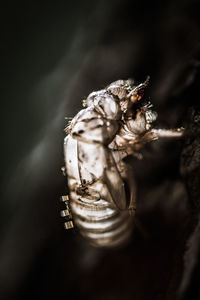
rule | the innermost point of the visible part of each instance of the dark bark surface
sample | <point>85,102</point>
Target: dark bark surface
<point>52,56</point>
<point>190,170</point>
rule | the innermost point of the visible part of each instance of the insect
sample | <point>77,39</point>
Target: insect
<point>115,122</point>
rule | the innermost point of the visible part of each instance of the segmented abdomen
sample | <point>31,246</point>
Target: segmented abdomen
<point>92,207</point>
<point>100,222</point>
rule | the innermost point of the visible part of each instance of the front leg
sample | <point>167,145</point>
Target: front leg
<point>167,133</point>
<point>154,134</point>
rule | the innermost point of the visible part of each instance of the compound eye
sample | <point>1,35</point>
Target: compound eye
<point>140,94</point>
<point>136,97</point>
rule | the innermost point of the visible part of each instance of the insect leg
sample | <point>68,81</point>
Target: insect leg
<point>126,172</point>
<point>67,212</point>
<point>168,133</point>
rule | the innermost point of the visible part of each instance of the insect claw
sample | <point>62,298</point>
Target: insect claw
<point>68,225</point>
<point>65,213</point>
<point>64,198</point>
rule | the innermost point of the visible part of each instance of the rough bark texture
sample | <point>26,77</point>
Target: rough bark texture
<point>190,170</point>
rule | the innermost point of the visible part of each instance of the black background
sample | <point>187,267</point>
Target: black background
<point>52,56</point>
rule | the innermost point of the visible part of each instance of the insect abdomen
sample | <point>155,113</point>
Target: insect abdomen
<point>100,222</point>
<point>93,211</point>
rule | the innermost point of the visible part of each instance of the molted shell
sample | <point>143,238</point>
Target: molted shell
<point>101,184</point>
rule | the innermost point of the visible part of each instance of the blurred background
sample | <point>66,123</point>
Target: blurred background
<point>52,57</point>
